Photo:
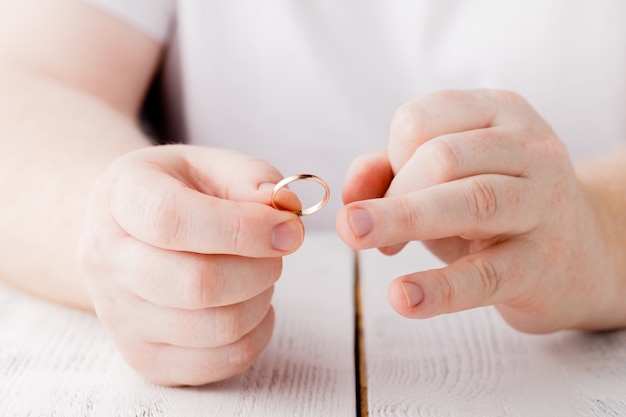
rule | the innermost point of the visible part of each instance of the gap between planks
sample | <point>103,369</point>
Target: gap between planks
<point>359,344</point>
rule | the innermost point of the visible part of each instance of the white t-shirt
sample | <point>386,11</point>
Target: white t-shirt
<point>308,85</point>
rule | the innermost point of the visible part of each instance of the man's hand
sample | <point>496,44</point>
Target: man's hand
<point>181,251</point>
<point>488,186</point>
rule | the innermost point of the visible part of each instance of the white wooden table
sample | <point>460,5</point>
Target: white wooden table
<point>59,362</point>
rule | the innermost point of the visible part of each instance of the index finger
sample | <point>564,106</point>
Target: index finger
<point>184,219</point>
<point>162,210</point>
<point>479,207</point>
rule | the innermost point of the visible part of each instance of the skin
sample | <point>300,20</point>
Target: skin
<point>483,181</point>
<point>177,252</point>
<point>176,248</point>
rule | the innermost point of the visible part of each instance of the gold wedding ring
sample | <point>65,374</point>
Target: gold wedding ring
<point>306,177</point>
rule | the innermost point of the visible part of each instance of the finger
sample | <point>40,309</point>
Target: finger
<point>445,112</point>
<point>368,177</point>
<point>432,115</point>
<point>285,199</point>
<point>448,249</point>
<point>223,173</point>
<point>209,327</point>
<point>176,366</point>
<point>392,249</point>
<point>187,214</point>
<point>191,281</point>
<point>496,275</point>
<point>498,150</point>
<point>472,208</point>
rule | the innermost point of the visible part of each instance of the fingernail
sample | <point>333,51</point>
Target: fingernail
<point>287,236</point>
<point>413,293</point>
<point>361,221</point>
<point>266,186</point>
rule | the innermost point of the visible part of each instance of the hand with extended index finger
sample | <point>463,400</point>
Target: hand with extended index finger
<point>181,251</point>
<point>487,185</point>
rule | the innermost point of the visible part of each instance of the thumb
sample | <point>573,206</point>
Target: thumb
<point>203,200</point>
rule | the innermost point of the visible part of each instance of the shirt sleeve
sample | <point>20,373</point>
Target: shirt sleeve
<point>153,17</point>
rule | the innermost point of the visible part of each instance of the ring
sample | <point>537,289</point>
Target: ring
<point>307,177</point>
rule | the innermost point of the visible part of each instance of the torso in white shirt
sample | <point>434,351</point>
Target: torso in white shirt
<point>308,85</point>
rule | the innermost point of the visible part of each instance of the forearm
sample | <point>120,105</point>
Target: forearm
<point>54,141</point>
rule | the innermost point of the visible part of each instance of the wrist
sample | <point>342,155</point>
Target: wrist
<point>605,195</point>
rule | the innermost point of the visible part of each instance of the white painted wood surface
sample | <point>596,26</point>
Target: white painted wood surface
<point>59,362</point>
<point>474,364</point>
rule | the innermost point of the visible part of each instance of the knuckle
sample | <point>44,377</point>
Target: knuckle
<point>409,125</point>
<point>482,200</point>
<point>555,150</point>
<point>233,233</point>
<point>445,290</point>
<point>164,221</point>
<point>276,268</point>
<point>443,162</point>
<point>487,275</point>
<point>507,97</point>
<point>411,218</point>
<point>111,309</point>
<point>229,326</point>
<point>242,354</point>
<point>143,357</point>
<point>204,285</point>
<point>110,316</point>
<point>406,120</point>
<point>110,313</point>
<point>273,268</point>
<point>154,363</point>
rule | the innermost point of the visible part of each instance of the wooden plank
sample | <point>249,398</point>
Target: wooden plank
<point>53,360</point>
<point>307,370</point>
<point>472,363</point>
<point>59,362</point>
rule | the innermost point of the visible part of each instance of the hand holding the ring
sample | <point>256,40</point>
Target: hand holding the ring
<point>301,177</point>
<point>181,249</point>
<point>487,185</point>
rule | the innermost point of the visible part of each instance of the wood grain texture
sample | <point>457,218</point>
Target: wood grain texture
<point>53,360</point>
<point>473,364</point>
<point>59,362</point>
